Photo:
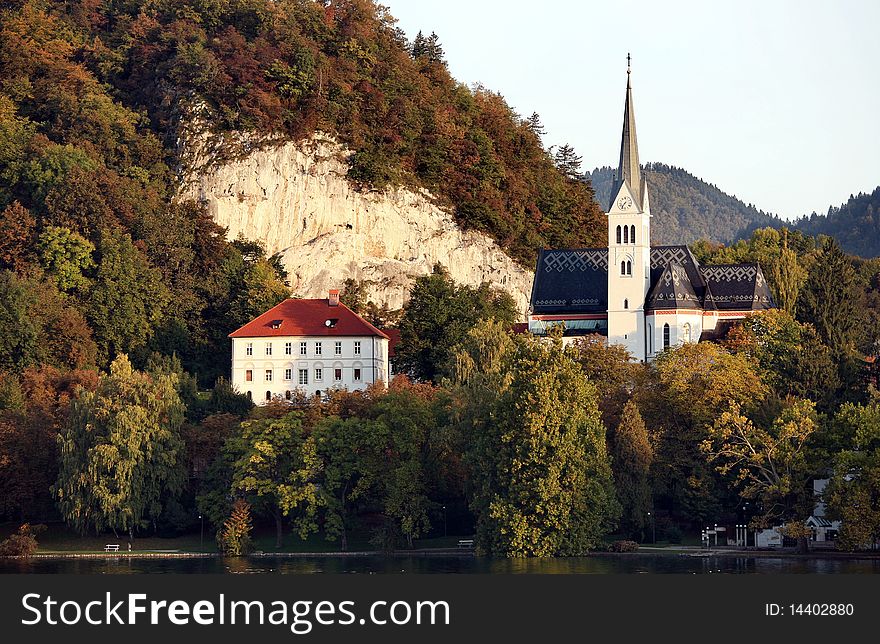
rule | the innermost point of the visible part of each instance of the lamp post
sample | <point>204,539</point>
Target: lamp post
<point>202,534</point>
<point>653,529</point>
<point>444,521</point>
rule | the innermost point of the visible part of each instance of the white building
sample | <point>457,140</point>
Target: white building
<point>646,298</point>
<point>311,345</point>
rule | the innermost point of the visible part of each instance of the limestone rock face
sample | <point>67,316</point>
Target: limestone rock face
<point>296,199</point>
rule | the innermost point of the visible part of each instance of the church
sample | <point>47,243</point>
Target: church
<point>646,298</point>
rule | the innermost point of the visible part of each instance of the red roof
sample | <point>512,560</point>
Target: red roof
<point>307,317</point>
<point>393,341</point>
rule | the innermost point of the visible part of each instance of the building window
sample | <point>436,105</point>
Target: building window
<point>268,395</point>
<point>665,336</point>
<point>626,304</point>
<point>288,348</point>
<point>268,348</point>
<point>303,376</point>
<point>319,374</point>
<point>250,396</point>
<point>629,267</point>
<point>618,234</point>
<point>357,375</point>
<point>632,234</point>
<point>626,234</point>
<point>287,395</point>
<point>249,349</point>
<point>288,374</point>
<point>248,375</point>
<point>337,375</point>
<point>623,268</point>
<point>318,348</point>
<point>337,348</point>
<point>268,375</point>
<point>650,339</point>
<point>302,348</point>
<point>686,333</point>
<point>357,347</point>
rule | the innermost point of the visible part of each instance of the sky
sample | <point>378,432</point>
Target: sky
<point>774,101</point>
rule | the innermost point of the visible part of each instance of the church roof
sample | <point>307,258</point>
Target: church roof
<point>673,290</point>
<point>737,287</point>
<point>574,281</point>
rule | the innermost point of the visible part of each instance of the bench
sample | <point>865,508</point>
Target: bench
<point>465,543</point>
<point>111,547</point>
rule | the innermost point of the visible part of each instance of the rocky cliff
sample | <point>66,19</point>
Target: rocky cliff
<point>297,200</point>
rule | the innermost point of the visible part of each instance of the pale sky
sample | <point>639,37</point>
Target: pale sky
<point>775,101</point>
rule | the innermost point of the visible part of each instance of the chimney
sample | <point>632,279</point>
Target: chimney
<point>333,299</point>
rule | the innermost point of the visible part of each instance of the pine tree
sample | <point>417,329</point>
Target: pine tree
<point>829,299</point>
<point>419,46</point>
<point>535,125</point>
<point>568,162</point>
<point>631,458</point>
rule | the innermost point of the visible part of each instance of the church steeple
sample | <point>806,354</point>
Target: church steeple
<point>628,169</point>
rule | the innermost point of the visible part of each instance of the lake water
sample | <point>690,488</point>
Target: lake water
<point>599,564</point>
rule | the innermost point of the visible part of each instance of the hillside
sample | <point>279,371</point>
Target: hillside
<point>102,251</point>
<point>855,224</point>
<point>686,208</point>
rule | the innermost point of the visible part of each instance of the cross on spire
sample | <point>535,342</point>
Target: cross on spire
<point>628,62</point>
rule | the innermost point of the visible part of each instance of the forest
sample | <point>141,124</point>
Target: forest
<point>855,224</point>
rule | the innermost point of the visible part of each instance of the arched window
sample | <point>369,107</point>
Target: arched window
<point>268,395</point>
<point>623,268</point>
<point>686,333</point>
<point>629,267</point>
<point>250,396</point>
<point>287,395</point>
<point>618,234</point>
<point>626,304</point>
<point>626,234</point>
<point>665,336</point>
<point>632,234</point>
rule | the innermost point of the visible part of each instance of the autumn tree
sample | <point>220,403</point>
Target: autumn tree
<point>771,463</point>
<point>685,391</point>
<point>121,450</point>
<point>235,537</point>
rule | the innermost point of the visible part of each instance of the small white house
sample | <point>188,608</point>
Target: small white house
<point>308,344</point>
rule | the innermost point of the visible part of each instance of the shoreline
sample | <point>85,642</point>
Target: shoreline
<point>448,552</point>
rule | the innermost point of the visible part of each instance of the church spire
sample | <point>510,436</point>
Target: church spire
<point>628,170</point>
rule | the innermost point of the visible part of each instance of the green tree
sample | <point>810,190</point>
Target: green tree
<point>830,297</point>
<point>121,450</point>
<point>127,298</point>
<point>65,255</point>
<point>534,444</point>
<point>853,493</point>
<point>787,278</point>
<point>568,161</point>
<point>276,462</point>
<point>631,457</point>
<point>439,313</point>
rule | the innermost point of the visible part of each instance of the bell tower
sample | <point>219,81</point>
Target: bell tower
<point>629,240</point>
